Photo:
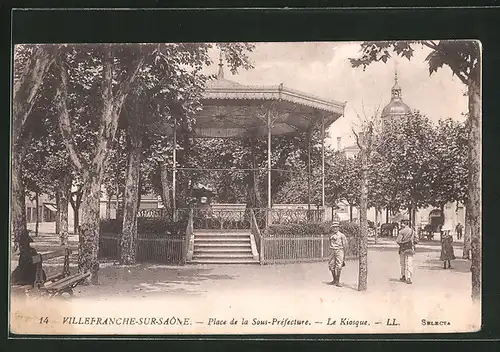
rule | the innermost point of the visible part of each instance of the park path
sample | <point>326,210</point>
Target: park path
<point>153,279</point>
<point>291,290</point>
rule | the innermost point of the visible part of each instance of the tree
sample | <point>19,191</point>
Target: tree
<point>364,141</point>
<point>448,181</point>
<point>450,185</point>
<point>464,60</point>
<point>46,162</point>
<point>121,65</point>
<point>167,91</point>
<point>114,176</point>
<point>30,68</point>
<point>405,151</point>
<point>339,177</point>
<point>132,184</point>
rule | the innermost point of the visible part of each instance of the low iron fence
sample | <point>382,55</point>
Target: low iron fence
<point>274,250</point>
<point>165,250</point>
<point>233,219</point>
<point>153,213</point>
<point>240,219</point>
<point>285,216</point>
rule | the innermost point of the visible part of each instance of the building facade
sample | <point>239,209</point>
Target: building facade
<point>47,210</point>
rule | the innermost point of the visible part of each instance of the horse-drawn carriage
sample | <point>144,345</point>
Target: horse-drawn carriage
<point>433,225</point>
<point>426,231</point>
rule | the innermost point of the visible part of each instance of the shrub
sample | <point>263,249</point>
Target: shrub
<point>296,248</point>
<point>294,230</point>
<point>160,227</point>
<point>147,227</point>
<point>111,226</point>
<point>350,229</point>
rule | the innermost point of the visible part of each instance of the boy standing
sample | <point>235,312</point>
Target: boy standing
<point>338,245</point>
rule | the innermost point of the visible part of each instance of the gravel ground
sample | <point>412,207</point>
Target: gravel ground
<point>225,291</point>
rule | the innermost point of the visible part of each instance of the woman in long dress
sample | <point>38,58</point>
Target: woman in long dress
<point>447,254</point>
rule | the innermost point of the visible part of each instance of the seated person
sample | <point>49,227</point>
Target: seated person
<point>25,273</point>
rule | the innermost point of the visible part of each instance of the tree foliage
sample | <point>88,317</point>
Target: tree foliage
<point>463,57</point>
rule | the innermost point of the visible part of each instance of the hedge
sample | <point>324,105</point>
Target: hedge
<point>147,227</point>
<point>350,229</point>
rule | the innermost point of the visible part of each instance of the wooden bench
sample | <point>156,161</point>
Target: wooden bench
<point>59,283</point>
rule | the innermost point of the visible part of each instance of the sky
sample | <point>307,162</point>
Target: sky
<point>323,69</point>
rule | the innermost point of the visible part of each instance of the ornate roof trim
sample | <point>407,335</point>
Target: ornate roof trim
<point>225,89</point>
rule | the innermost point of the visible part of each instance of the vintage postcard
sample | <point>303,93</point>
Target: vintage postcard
<point>246,188</point>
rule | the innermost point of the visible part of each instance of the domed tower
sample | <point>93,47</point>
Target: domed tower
<point>396,107</point>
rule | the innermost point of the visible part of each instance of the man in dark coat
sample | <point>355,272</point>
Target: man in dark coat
<point>25,273</point>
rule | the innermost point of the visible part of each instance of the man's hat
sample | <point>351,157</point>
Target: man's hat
<point>334,224</point>
<point>405,219</point>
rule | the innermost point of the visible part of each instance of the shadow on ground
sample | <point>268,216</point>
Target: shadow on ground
<point>144,279</point>
<point>457,265</point>
<point>351,287</point>
<point>395,249</point>
<point>395,280</point>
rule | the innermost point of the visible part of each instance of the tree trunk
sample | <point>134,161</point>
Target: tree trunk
<point>121,209</point>
<point>88,230</point>
<point>386,215</point>
<point>24,97</point>
<point>250,199</point>
<point>474,184</point>
<point>139,194</point>
<point>37,221</point>
<point>165,188</point>
<point>363,240</point>
<point>18,202</point>
<point>409,216</point>
<point>467,234</point>
<point>414,215</point>
<point>131,193</point>
<point>252,185</point>
<point>76,219</point>
<point>64,192</point>
<point>376,224</point>
<point>75,204</point>
<point>117,202</point>
<point>129,228</point>
<point>350,212</point>
<point>256,189</point>
<point>257,197</point>
<point>58,212</point>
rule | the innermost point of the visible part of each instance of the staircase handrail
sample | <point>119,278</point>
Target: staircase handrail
<point>190,236</point>
<point>255,230</point>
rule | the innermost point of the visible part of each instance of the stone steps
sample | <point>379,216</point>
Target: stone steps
<point>216,247</point>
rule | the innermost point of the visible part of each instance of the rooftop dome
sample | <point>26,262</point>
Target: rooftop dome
<point>396,107</point>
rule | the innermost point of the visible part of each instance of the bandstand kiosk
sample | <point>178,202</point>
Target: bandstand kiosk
<point>233,110</point>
